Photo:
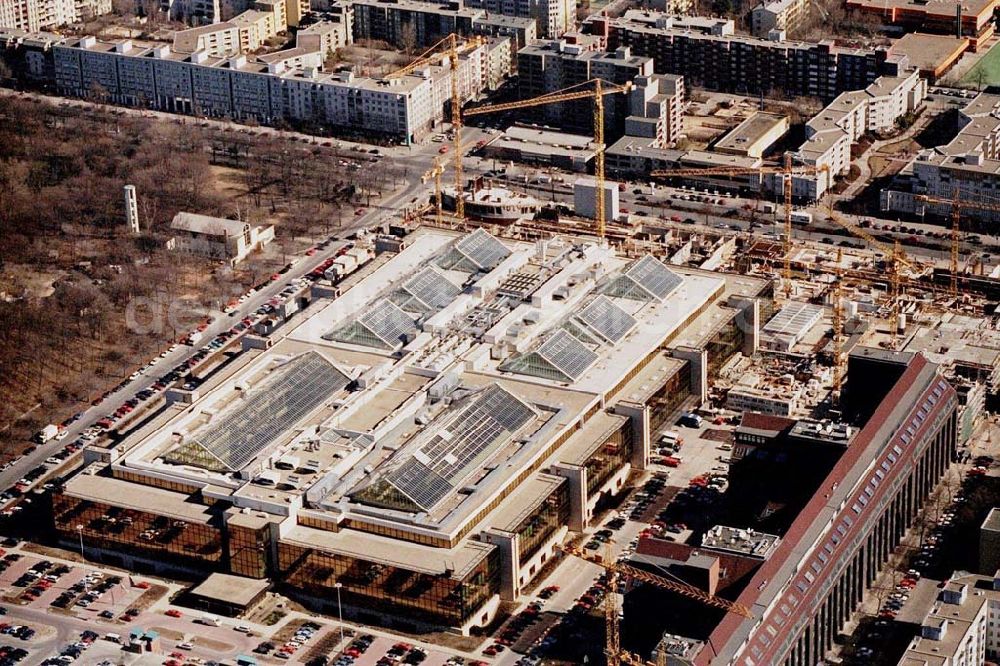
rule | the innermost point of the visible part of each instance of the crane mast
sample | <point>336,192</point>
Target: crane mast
<point>601,88</point>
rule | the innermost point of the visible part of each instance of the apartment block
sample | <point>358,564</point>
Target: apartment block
<point>218,40</point>
<point>656,104</point>
<point>400,21</point>
<point>548,66</point>
<point>552,17</point>
<point>831,134</point>
<point>708,54</point>
<point>969,164</point>
<point>198,12</point>
<point>522,31</point>
<point>284,85</point>
<point>244,33</point>
<point>961,626</point>
<point>408,23</point>
<point>255,27</point>
<point>37,15</point>
<point>780,15</point>
<point>325,36</point>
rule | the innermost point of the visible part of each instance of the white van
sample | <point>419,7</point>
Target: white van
<point>210,620</point>
<point>669,437</point>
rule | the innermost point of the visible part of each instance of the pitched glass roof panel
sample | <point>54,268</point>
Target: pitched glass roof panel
<point>268,411</point>
<point>431,288</point>
<point>650,273</point>
<point>608,320</point>
<point>382,326</point>
<point>567,354</point>
<point>462,444</point>
<point>478,249</point>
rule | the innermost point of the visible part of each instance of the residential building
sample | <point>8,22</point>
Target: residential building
<point>707,53</point>
<point>552,17</point>
<point>831,134</point>
<point>547,66</point>
<point>217,40</point>
<point>38,15</point>
<point>197,12</point>
<point>217,238</point>
<point>521,30</point>
<point>656,105</point>
<point>961,626</point>
<point>325,36</point>
<point>411,23</point>
<point>777,15</point>
<point>969,163</point>
<point>285,85</point>
<point>29,53</point>
<point>255,27</point>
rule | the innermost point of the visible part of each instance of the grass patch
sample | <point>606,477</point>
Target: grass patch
<point>986,72</point>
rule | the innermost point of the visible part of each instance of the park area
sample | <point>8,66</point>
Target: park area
<point>986,72</point>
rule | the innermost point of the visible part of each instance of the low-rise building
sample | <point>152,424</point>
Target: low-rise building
<point>777,15</point>
<point>217,238</point>
<point>419,446</point>
<point>755,136</point>
<point>974,19</point>
<point>543,146</point>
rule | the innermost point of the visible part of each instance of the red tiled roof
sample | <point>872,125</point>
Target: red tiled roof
<point>759,421</point>
<point>766,574</point>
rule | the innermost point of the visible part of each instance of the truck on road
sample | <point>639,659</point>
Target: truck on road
<point>46,433</point>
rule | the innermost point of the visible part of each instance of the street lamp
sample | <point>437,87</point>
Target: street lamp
<point>79,531</point>
<point>340,614</point>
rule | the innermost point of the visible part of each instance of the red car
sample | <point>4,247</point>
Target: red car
<point>443,149</point>
<point>172,612</point>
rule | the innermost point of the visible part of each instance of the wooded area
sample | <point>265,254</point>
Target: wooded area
<point>69,268</point>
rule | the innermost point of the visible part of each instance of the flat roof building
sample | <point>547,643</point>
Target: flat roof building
<point>811,583</point>
<point>975,18</point>
<point>424,440</point>
<point>969,163</point>
<point>754,136</point>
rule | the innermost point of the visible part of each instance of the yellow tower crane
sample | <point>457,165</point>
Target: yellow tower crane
<point>600,89</point>
<point>787,170</point>
<point>454,45</point>
<point>435,173</point>
<point>957,203</point>
<point>838,329</point>
<point>615,655</point>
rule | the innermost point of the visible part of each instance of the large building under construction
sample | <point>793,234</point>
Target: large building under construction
<point>802,592</point>
<point>426,434</point>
